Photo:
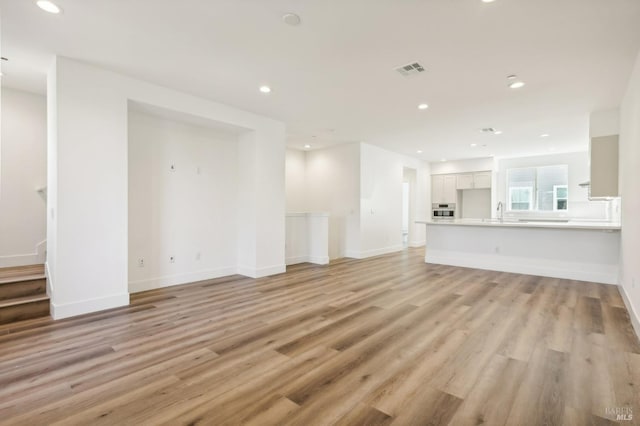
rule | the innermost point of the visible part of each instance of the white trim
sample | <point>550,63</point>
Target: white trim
<point>374,252</point>
<point>171,280</point>
<point>320,260</point>
<point>261,272</point>
<point>49,281</point>
<point>309,214</point>
<point>415,244</point>
<point>36,258</point>
<point>60,311</point>
<point>633,314</point>
<point>601,273</point>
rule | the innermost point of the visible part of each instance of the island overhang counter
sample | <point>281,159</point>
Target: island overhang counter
<point>576,250</point>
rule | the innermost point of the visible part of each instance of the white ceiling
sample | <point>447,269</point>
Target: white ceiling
<point>333,76</point>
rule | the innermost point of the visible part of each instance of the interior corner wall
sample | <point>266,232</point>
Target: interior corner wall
<point>333,186</point>
<point>88,240</point>
<point>381,200</point>
<point>23,170</point>
<point>295,164</point>
<point>630,192</point>
<point>186,213</point>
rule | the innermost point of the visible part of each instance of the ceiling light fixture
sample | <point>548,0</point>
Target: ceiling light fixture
<point>443,160</point>
<point>291,19</point>
<point>307,146</point>
<point>497,132</point>
<point>473,145</point>
<point>48,6</point>
<point>488,1</point>
<point>544,135</point>
<point>419,151</point>
<point>423,106</point>
<point>514,82</point>
<point>265,89</point>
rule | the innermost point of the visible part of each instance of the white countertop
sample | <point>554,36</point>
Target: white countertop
<point>526,223</point>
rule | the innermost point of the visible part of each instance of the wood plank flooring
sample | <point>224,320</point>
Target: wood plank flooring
<point>388,340</point>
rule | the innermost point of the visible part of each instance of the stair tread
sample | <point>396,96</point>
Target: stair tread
<point>23,300</point>
<point>16,271</point>
<point>21,278</point>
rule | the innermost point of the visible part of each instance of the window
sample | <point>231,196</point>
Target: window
<point>560,197</point>
<point>520,198</point>
<point>538,188</point>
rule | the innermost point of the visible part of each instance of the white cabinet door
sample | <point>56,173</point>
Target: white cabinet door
<point>464,181</point>
<point>437,189</point>
<point>449,192</point>
<point>482,180</point>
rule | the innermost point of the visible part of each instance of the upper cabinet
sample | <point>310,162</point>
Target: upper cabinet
<point>443,189</point>
<point>604,167</point>
<point>479,180</point>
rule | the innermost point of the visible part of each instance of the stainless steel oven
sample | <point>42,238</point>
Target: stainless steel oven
<point>443,211</point>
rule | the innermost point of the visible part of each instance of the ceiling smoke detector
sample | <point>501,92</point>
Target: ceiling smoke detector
<point>291,19</point>
<point>408,70</point>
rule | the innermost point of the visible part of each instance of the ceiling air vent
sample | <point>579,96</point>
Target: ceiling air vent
<point>410,69</point>
<point>488,130</point>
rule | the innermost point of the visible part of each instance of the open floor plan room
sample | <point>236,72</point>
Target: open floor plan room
<point>388,340</point>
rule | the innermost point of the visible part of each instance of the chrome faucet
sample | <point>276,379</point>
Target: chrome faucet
<point>501,210</point>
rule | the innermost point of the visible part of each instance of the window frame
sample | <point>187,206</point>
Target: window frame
<point>510,198</point>
<point>556,198</point>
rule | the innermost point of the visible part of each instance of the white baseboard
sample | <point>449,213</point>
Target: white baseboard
<point>606,274</point>
<point>415,244</point>
<point>374,252</point>
<point>320,260</point>
<point>36,258</point>
<point>47,274</point>
<point>171,280</point>
<point>633,314</point>
<point>261,272</point>
<point>59,311</point>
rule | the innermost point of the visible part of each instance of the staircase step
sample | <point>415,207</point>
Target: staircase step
<point>21,278</point>
<point>26,286</point>
<point>21,308</point>
<point>18,271</point>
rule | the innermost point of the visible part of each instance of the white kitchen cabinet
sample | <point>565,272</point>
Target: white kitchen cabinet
<point>604,167</point>
<point>443,189</point>
<point>482,180</point>
<point>465,181</point>
<point>479,180</point>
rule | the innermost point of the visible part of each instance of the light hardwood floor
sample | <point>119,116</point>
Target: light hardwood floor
<point>389,340</point>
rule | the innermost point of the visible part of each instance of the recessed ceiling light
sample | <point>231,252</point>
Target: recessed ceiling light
<point>473,145</point>
<point>488,1</point>
<point>544,135</point>
<point>419,151</point>
<point>291,19</point>
<point>516,85</point>
<point>497,132</point>
<point>423,106</point>
<point>443,160</point>
<point>48,6</point>
<point>265,89</point>
<point>307,146</point>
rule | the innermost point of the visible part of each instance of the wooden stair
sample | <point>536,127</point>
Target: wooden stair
<point>23,293</point>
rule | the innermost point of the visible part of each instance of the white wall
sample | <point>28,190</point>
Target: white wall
<point>295,179</point>
<point>578,162</point>
<point>333,186</point>
<point>630,192</point>
<point>188,213</point>
<point>88,213</point>
<point>23,170</point>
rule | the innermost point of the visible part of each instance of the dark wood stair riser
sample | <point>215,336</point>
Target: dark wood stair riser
<point>23,288</point>
<point>24,311</point>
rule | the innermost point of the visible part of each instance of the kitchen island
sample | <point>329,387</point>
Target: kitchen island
<point>578,250</point>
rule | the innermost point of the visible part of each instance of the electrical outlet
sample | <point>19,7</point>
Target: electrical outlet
<point>172,167</point>
<point>172,259</point>
<point>141,263</point>
<point>198,256</point>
